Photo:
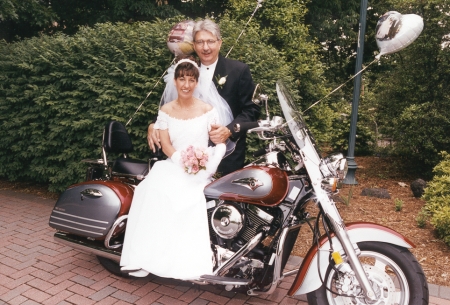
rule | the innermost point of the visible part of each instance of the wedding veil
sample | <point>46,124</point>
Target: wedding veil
<point>205,91</point>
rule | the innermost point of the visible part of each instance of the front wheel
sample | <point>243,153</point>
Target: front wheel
<point>396,277</point>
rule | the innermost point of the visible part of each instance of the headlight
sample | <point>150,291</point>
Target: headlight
<point>334,166</point>
<point>343,169</point>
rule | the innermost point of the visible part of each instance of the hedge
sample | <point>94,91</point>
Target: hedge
<point>57,93</point>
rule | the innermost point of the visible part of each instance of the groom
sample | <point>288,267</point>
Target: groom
<point>234,83</point>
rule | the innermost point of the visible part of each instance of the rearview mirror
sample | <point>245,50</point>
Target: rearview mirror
<point>261,99</point>
<point>256,95</point>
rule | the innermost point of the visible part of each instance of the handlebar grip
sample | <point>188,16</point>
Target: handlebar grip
<point>260,152</point>
<point>245,126</point>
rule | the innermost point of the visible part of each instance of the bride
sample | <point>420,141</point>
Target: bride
<point>167,231</point>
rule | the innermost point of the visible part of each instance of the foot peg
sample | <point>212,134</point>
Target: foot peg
<point>224,280</point>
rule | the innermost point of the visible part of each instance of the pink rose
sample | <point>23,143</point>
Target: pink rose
<point>194,159</point>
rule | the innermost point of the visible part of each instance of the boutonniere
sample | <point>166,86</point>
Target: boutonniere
<point>221,80</point>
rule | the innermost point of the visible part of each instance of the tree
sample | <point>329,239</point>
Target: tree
<point>24,17</point>
<point>283,21</point>
<point>412,99</point>
<point>28,18</point>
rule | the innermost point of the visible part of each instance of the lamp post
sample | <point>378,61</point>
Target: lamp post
<point>352,166</point>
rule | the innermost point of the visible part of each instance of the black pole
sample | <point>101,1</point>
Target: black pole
<point>352,166</point>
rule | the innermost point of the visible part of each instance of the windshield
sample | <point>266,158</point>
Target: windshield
<point>294,118</point>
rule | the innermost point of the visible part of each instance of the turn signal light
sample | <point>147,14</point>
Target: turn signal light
<point>330,184</point>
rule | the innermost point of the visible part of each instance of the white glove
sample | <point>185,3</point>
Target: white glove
<point>214,159</point>
<point>176,157</point>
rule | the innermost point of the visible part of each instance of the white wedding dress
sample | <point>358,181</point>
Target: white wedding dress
<point>167,230</point>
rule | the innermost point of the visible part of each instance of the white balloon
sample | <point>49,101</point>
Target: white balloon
<point>395,31</point>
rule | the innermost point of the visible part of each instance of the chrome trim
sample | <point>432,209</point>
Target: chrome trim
<point>292,272</point>
<point>110,233</point>
<point>75,222</point>
<point>92,161</point>
<point>277,276</point>
<point>224,280</point>
<point>260,213</point>
<point>241,252</point>
<point>227,221</point>
<point>340,230</point>
<point>82,246</point>
<point>138,177</point>
<point>96,233</point>
<point>105,160</point>
<point>79,217</point>
<point>90,193</point>
<point>250,183</point>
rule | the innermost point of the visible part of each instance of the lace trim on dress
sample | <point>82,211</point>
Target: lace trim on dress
<point>162,121</point>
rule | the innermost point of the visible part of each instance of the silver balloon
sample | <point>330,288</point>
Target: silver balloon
<point>395,31</point>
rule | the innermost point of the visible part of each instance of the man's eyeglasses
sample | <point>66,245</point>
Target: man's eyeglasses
<point>209,42</point>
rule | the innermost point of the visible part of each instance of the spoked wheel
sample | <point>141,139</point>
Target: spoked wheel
<point>394,273</point>
<point>112,266</point>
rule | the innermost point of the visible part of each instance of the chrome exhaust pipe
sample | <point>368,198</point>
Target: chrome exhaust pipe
<point>86,246</point>
<point>277,272</point>
<point>241,252</point>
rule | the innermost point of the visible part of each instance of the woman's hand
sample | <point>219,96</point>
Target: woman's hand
<point>153,138</point>
<point>219,133</point>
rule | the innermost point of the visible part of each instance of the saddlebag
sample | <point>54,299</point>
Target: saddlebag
<point>90,208</point>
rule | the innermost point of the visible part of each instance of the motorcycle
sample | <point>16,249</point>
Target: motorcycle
<point>255,215</point>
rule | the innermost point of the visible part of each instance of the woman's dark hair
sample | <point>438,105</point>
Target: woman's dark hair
<point>187,68</point>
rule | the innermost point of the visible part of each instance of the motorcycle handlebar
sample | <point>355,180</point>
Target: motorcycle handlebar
<point>245,126</point>
<point>260,152</point>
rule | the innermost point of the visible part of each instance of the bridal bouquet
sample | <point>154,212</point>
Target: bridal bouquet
<point>194,159</point>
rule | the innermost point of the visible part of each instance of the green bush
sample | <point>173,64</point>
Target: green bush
<point>58,92</point>
<point>437,197</point>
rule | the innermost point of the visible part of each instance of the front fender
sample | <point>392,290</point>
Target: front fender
<point>308,279</point>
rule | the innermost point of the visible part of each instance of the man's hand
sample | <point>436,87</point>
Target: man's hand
<point>153,137</point>
<point>219,134</point>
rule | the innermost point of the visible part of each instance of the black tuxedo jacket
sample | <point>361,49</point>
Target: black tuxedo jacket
<point>237,91</point>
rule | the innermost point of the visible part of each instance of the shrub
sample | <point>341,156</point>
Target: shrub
<point>441,221</point>
<point>437,197</point>
<point>398,204</point>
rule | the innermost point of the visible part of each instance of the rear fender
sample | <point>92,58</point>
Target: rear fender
<point>308,279</point>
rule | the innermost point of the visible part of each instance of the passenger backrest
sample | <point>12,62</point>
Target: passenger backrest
<point>116,138</point>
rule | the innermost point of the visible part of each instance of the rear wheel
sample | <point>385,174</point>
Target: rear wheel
<point>112,266</point>
<point>394,273</point>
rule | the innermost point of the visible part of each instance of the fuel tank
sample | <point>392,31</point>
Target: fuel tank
<point>260,185</point>
<point>89,209</point>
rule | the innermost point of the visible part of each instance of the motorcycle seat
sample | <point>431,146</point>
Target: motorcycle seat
<point>130,166</point>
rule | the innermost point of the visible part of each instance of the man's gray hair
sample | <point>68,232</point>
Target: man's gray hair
<point>207,25</point>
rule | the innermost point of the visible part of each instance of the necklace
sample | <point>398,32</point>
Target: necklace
<point>186,108</point>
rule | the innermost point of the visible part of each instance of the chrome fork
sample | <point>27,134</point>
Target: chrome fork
<point>340,230</point>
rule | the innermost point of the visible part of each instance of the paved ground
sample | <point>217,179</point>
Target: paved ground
<point>36,270</point>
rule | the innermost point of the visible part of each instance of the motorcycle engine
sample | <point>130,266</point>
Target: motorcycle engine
<point>227,221</point>
<point>231,226</point>
<point>237,223</point>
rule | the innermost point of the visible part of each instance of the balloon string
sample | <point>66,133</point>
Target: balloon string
<point>151,91</point>
<point>376,59</point>
<point>258,5</point>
